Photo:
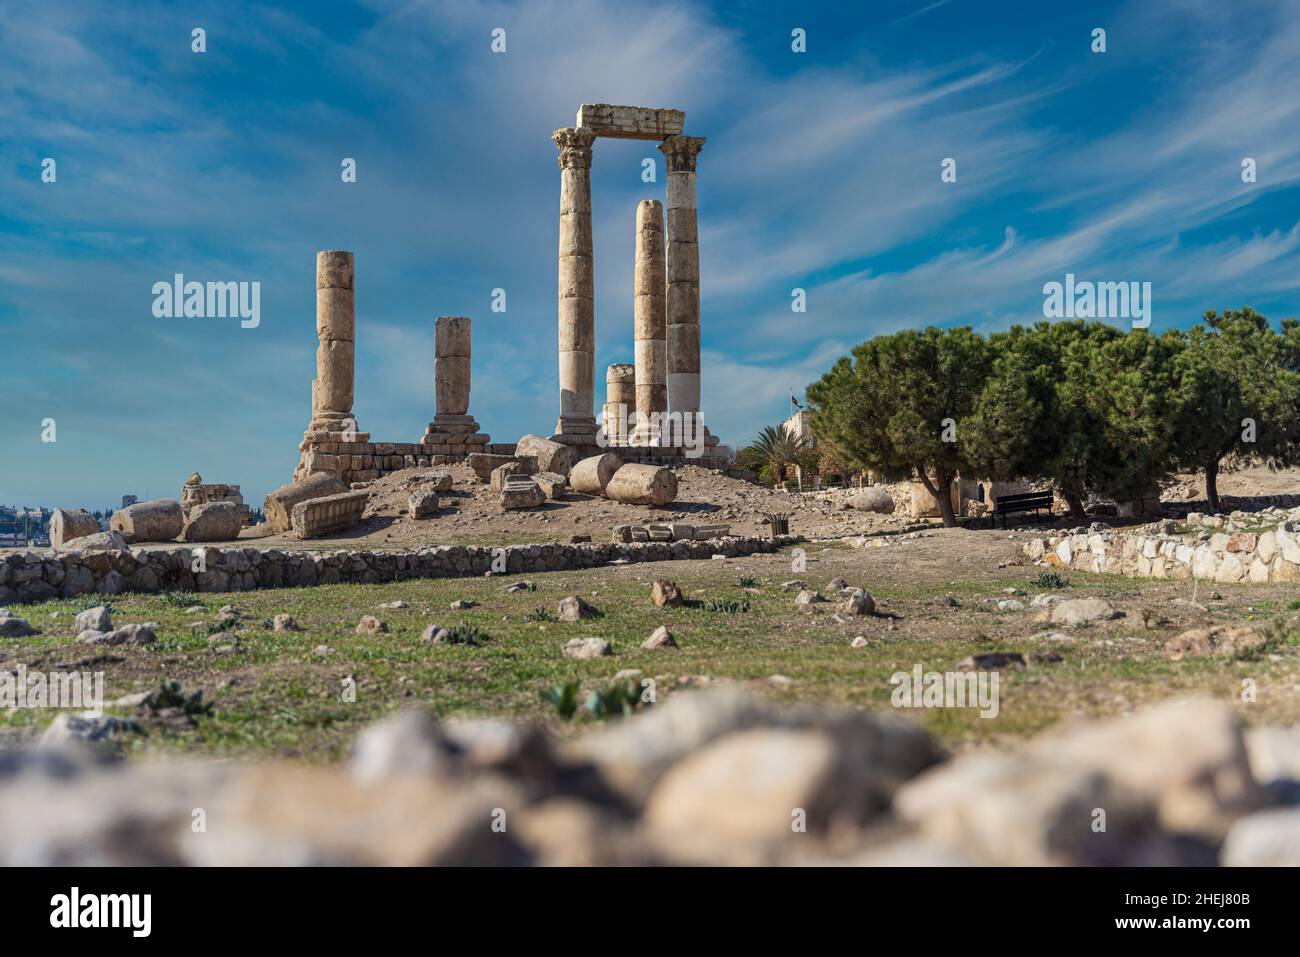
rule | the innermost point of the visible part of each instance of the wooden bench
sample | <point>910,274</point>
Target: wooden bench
<point>1027,502</point>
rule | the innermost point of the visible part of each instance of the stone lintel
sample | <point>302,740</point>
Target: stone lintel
<point>630,122</point>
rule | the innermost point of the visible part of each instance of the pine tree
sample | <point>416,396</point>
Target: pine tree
<point>1237,386</point>
<point>896,406</point>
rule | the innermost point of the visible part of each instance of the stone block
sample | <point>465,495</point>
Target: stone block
<point>592,474</point>
<point>521,492</point>
<point>630,122</point>
<point>71,523</point>
<point>503,472</point>
<point>213,522</point>
<point>279,505</point>
<point>332,513</point>
<point>484,463</point>
<point>550,456</point>
<point>642,485</point>
<point>157,521</point>
<point>423,504</point>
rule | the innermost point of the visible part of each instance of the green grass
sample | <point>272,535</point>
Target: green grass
<point>271,693</point>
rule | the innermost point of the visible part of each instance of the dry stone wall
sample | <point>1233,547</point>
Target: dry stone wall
<point>1227,551</point>
<point>39,576</point>
<point>366,461</point>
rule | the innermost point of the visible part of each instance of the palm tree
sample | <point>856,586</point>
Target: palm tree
<point>778,448</point>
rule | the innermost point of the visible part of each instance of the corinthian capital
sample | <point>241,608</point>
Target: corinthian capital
<point>574,144</point>
<point>681,152</point>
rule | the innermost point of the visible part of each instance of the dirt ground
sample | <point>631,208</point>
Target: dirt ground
<point>472,514</point>
<point>1248,482</point>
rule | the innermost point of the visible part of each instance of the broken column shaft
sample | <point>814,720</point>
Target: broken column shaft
<point>332,389</point>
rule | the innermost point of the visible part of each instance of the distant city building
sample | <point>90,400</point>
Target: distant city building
<point>129,500</point>
<point>21,526</point>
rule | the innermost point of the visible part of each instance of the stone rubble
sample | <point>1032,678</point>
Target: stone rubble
<point>713,777</point>
<point>195,492</point>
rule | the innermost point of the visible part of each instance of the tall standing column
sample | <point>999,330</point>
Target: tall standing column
<point>331,390</point>
<point>577,300</point>
<point>683,277</point>
<point>648,309</point>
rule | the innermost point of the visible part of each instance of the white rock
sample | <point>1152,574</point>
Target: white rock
<point>94,619</point>
<point>407,743</point>
<point>859,603</point>
<point>660,638</point>
<point>583,648</point>
<point>1081,611</point>
<point>1266,839</point>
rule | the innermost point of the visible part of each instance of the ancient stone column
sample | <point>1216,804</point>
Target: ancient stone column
<point>451,366</point>
<point>620,402</point>
<point>453,431</point>
<point>577,299</point>
<point>331,390</point>
<point>648,307</point>
<point>683,277</point>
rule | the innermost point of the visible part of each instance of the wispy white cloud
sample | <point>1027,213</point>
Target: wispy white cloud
<point>824,177</point>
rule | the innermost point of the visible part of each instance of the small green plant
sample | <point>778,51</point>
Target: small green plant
<point>466,634</point>
<point>541,614</point>
<point>179,599</point>
<point>1293,604</point>
<point>729,606</point>
<point>226,624</point>
<point>170,694</point>
<point>1278,633</point>
<point>563,698</point>
<point>94,601</point>
<point>1050,580</point>
<point>620,698</point>
<point>746,581</point>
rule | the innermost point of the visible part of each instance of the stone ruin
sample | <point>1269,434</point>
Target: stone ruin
<point>195,493</point>
<point>652,408</point>
<point>333,444</point>
<point>669,532</point>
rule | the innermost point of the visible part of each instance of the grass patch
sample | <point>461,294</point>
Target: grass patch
<point>1049,580</point>
<point>728,606</point>
<point>279,693</point>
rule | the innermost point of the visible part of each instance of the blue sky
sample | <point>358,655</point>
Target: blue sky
<point>821,172</point>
